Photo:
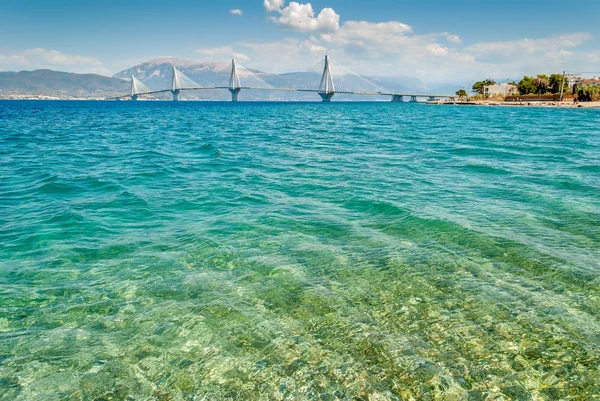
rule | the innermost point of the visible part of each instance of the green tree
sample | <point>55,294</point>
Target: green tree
<point>556,81</point>
<point>541,83</point>
<point>478,87</point>
<point>588,93</point>
<point>526,86</point>
<point>461,93</point>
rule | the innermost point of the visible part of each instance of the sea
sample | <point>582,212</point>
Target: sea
<point>298,251</point>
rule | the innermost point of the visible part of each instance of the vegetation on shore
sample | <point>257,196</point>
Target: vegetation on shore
<point>461,93</point>
<point>478,86</point>
<point>555,83</point>
<point>588,93</point>
<point>540,85</point>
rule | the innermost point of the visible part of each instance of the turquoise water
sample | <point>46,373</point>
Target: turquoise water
<point>265,251</point>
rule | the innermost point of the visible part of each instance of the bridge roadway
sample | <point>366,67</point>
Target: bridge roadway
<point>396,97</point>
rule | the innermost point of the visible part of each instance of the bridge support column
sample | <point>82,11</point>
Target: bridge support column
<point>431,98</point>
<point>235,94</point>
<point>327,86</point>
<point>134,97</point>
<point>326,96</point>
<point>413,99</point>
<point>176,93</point>
<point>397,98</point>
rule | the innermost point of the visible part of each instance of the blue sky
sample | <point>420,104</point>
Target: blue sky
<point>435,40</point>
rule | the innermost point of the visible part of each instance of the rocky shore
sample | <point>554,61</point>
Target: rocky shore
<point>586,105</point>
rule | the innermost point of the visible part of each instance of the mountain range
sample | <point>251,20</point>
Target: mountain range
<point>56,83</point>
<point>157,74</point>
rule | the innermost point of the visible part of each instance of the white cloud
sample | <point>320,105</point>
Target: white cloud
<point>51,59</point>
<point>301,17</point>
<point>543,45</point>
<point>374,48</point>
<point>285,55</point>
<point>393,48</point>
<point>14,59</point>
<point>527,56</point>
<point>453,39</point>
<point>437,50</point>
<point>592,58</point>
<point>363,31</point>
<point>273,5</point>
<point>236,11</point>
<point>225,52</point>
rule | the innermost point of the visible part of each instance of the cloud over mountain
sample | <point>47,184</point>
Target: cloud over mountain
<point>301,17</point>
<point>38,58</point>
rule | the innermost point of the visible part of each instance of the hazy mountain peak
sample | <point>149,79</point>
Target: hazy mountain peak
<point>157,71</point>
<point>177,62</point>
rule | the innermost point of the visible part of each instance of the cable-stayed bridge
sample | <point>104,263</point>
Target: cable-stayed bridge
<point>344,81</point>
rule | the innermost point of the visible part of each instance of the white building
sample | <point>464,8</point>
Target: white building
<point>503,89</point>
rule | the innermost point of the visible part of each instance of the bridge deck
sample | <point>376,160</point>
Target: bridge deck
<point>288,90</point>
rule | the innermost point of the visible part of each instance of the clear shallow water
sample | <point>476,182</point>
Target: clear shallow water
<point>298,251</point>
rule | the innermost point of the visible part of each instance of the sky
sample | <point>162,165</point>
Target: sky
<point>433,40</point>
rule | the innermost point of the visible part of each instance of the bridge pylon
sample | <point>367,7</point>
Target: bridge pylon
<point>134,88</point>
<point>327,86</point>
<point>397,98</point>
<point>175,85</point>
<point>235,86</point>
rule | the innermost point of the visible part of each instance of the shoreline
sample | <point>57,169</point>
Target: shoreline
<point>564,104</point>
<point>559,105</point>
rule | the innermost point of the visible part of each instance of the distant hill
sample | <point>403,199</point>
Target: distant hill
<point>157,74</point>
<point>48,82</point>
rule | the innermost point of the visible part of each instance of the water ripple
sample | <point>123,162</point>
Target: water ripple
<point>298,251</point>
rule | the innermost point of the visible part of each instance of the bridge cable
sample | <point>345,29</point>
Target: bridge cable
<point>248,75</point>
